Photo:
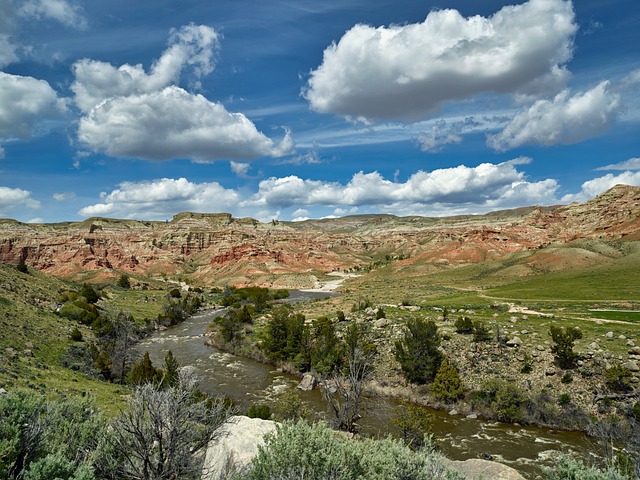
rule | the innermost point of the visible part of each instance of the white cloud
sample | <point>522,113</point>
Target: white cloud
<point>631,164</point>
<point>2,152</point>
<point>12,198</point>
<point>62,11</point>
<point>191,45</point>
<point>593,188</point>
<point>8,51</point>
<point>162,198</point>
<point>440,135</point>
<point>564,120</point>
<point>174,123</point>
<point>62,197</point>
<point>239,168</point>
<point>36,220</point>
<point>25,102</point>
<point>495,185</point>
<point>300,215</point>
<point>132,114</point>
<point>409,71</point>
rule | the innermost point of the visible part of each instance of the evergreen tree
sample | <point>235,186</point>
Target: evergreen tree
<point>563,340</point>
<point>417,352</point>
<point>447,384</point>
<point>171,370</point>
<point>123,281</point>
<point>144,372</point>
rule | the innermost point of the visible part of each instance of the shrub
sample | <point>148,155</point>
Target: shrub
<point>618,378</point>
<point>144,372</point>
<point>289,406</point>
<point>481,333</point>
<point>413,423</point>
<point>22,267</point>
<point>567,377</point>
<point>76,335</point>
<point>464,325</point>
<point>175,293</point>
<point>314,452</point>
<point>380,313</point>
<point>503,398</point>
<point>259,411</point>
<point>564,400</point>
<point>89,294</point>
<point>567,468</point>
<point>527,364</point>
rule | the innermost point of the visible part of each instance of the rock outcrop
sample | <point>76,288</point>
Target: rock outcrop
<point>235,446</point>
<point>475,468</point>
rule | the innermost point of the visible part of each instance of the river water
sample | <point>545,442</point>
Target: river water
<point>248,382</point>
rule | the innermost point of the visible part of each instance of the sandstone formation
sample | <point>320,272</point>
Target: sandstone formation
<point>219,249</point>
<point>475,468</point>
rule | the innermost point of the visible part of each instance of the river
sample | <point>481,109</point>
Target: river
<point>249,382</point>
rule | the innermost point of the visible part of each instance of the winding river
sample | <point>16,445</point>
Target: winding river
<point>249,382</point>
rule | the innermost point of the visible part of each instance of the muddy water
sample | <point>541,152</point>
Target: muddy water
<point>249,382</point>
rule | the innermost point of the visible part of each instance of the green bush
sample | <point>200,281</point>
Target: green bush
<point>124,281</point>
<point>503,398</point>
<point>76,335</point>
<point>259,411</point>
<point>314,452</point>
<point>567,468</point>
<point>481,333</point>
<point>464,325</point>
<point>618,378</point>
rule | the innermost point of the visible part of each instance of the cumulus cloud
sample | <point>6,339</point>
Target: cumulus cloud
<point>460,189</point>
<point>26,102</point>
<point>191,45</point>
<point>132,114</point>
<point>631,164</point>
<point>409,71</point>
<point>484,185</point>
<point>62,11</point>
<point>174,123</point>
<point>12,198</point>
<point>593,188</point>
<point>159,199</point>
<point>566,119</point>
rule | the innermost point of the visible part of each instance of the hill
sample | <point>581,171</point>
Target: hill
<point>217,249</point>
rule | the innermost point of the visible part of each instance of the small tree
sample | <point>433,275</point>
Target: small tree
<point>123,281</point>
<point>289,406</point>
<point>144,372</point>
<point>162,434</point>
<point>618,378</point>
<point>464,325</point>
<point>346,402</point>
<point>417,352</point>
<point>563,339</point>
<point>481,333</point>
<point>413,422</point>
<point>22,267</point>
<point>171,372</point>
<point>447,384</point>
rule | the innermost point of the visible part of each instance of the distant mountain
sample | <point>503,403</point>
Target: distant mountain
<point>219,249</point>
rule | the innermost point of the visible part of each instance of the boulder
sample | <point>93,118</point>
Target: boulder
<point>514,342</point>
<point>634,351</point>
<point>477,468</point>
<point>307,383</point>
<point>3,391</point>
<point>381,323</point>
<point>632,365</point>
<point>235,447</point>
<point>609,335</point>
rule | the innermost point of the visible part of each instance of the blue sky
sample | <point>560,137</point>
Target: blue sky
<point>301,109</point>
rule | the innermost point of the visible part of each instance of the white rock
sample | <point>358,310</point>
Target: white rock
<point>235,447</point>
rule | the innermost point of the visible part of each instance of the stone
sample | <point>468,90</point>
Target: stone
<point>3,391</point>
<point>621,337</point>
<point>472,416</point>
<point>381,323</point>
<point>634,351</point>
<point>514,342</point>
<point>550,372</point>
<point>631,343</point>
<point>477,468</point>
<point>632,365</point>
<point>235,447</point>
<point>609,335</point>
<point>540,348</point>
<point>453,412</point>
<point>599,322</point>
<point>307,383</point>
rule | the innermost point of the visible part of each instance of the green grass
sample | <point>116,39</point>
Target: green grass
<point>624,316</point>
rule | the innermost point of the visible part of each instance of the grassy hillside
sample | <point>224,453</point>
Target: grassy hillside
<point>33,340</point>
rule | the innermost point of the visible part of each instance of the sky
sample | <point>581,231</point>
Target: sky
<point>296,109</point>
